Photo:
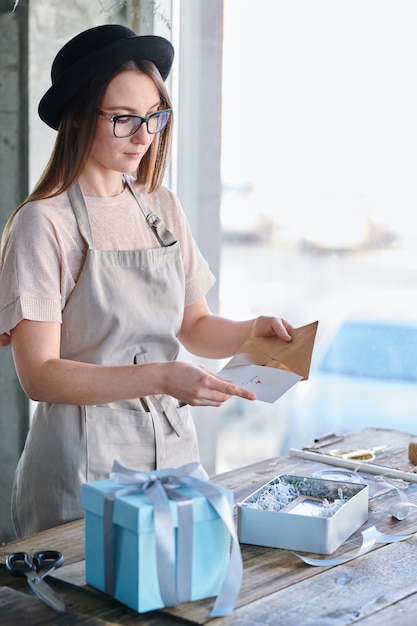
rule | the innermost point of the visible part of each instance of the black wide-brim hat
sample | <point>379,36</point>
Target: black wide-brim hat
<point>91,52</point>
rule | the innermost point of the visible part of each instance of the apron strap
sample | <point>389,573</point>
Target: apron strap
<point>80,210</point>
<point>163,235</point>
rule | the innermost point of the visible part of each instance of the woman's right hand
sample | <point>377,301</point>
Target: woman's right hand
<point>197,386</point>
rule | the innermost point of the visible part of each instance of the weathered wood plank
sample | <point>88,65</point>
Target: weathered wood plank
<point>401,613</point>
<point>20,608</point>
<point>338,596</point>
<point>86,601</point>
<point>89,601</point>
<point>68,538</point>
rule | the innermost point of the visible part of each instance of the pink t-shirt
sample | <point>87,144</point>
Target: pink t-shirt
<point>45,251</point>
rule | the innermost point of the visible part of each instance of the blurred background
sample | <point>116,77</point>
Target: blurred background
<point>318,210</point>
<point>295,160</point>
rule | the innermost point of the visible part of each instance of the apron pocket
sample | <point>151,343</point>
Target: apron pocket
<point>179,443</point>
<point>118,433</point>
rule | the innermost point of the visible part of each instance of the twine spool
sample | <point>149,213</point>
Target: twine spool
<point>412,452</point>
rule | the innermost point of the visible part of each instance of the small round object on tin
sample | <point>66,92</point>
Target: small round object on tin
<point>342,475</point>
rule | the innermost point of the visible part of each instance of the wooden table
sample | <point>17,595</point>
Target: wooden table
<point>376,589</point>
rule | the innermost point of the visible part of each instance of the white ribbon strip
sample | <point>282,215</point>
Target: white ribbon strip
<point>370,537</point>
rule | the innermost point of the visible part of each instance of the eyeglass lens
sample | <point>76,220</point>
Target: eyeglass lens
<point>126,125</point>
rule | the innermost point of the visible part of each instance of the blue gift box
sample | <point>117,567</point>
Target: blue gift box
<point>133,555</point>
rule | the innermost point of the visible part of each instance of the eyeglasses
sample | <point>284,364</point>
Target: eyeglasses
<point>128,125</point>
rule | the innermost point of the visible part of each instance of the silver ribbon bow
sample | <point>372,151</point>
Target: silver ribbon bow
<point>174,579</point>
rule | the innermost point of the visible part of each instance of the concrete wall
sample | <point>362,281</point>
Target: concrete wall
<point>29,39</point>
<point>51,25</point>
<point>13,188</point>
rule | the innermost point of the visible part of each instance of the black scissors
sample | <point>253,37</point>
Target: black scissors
<point>24,564</point>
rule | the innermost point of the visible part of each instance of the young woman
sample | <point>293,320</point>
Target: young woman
<point>101,280</point>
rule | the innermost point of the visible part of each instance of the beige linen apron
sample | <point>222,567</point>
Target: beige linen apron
<point>127,307</point>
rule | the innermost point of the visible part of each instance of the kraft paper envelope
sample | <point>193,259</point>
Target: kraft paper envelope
<point>269,366</point>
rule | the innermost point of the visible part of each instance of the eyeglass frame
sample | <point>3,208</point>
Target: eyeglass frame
<point>143,120</point>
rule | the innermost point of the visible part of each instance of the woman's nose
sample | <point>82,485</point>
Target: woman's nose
<point>141,135</point>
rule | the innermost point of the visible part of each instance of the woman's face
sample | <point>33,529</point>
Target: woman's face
<point>129,92</point>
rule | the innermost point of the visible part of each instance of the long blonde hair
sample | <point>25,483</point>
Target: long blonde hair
<point>75,138</point>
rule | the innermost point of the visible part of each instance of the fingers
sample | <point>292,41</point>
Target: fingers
<point>270,326</point>
<point>287,329</point>
<point>212,390</point>
<point>227,388</point>
<point>233,390</point>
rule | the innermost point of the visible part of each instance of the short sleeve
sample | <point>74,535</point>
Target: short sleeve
<point>34,268</point>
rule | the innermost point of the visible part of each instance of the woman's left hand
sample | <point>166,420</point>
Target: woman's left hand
<point>264,326</point>
<point>215,337</point>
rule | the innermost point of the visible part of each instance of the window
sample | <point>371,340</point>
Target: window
<point>373,349</point>
<point>319,162</point>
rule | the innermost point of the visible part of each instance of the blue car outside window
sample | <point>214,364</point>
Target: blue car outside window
<point>373,350</point>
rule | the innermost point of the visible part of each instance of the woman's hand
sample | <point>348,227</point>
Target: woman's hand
<point>198,386</point>
<point>269,326</point>
<point>215,337</point>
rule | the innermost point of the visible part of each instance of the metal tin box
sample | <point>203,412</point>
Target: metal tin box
<point>308,533</point>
